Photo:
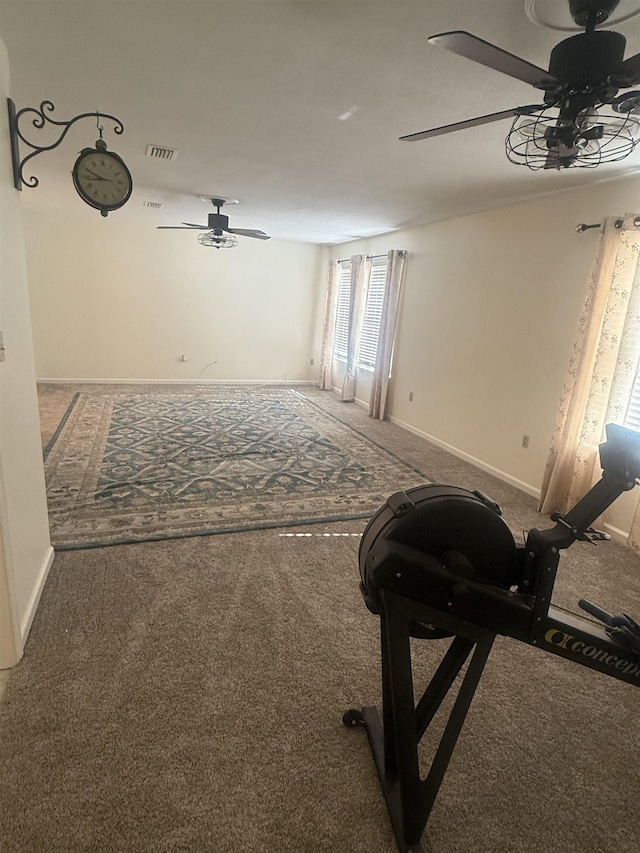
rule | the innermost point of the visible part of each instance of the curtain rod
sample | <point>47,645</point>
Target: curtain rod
<point>401,252</point>
<point>368,257</point>
<point>618,224</point>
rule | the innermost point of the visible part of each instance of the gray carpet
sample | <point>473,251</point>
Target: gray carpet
<point>187,696</point>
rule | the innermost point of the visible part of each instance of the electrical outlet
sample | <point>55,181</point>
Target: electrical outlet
<point>525,441</point>
<point>411,396</point>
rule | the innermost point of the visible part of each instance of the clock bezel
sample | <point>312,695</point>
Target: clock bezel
<point>109,206</point>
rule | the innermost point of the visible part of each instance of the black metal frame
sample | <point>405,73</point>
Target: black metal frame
<point>39,120</point>
<point>395,733</point>
<point>473,619</point>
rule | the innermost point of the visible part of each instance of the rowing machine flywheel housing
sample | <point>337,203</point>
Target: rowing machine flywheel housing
<point>436,526</point>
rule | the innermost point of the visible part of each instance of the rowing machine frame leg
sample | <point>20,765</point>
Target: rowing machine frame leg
<point>394,735</point>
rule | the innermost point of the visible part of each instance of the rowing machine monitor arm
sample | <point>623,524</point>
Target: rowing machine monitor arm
<point>620,461</point>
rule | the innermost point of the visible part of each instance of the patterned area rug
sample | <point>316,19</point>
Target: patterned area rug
<point>136,467</point>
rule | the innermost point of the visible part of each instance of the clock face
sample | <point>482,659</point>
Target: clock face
<point>102,179</point>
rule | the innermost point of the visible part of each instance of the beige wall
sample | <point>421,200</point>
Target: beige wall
<point>116,299</point>
<point>488,317</point>
<point>25,550</point>
<point>489,313</point>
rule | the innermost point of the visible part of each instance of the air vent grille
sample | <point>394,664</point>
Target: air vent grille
<point>160,152</point>
<point>152,204</point>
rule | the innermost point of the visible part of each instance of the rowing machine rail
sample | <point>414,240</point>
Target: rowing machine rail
<point>438,561</point>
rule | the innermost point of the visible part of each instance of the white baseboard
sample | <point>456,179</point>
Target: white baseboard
<point>484,466</point>
<point>283,382</point>
<point>27,620</point>
<point>616,533</point>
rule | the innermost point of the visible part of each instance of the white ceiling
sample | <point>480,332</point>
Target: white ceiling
<point>294,107</point>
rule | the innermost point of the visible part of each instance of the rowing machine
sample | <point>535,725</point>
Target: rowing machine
<point>440,562</point>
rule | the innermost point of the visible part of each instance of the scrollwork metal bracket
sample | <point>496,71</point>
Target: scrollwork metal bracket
<point>39,119</point>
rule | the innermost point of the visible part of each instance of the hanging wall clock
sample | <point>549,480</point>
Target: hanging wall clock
<point>102,178</point>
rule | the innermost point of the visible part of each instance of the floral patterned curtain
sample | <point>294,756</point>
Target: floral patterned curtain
<point>386,337</point>
<point>601,368</point>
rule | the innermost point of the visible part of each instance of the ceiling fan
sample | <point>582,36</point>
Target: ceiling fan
<point>216,233</point>
<point>570,128</point>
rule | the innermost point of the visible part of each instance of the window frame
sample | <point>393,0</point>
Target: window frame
<point>343,306</point>
<point>374,301</point>
<point>370,335</point>
<point>632,414</point>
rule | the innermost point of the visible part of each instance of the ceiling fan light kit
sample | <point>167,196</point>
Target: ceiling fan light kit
<point>583,122</point>
<point>536,140</point>
<point>217,241</point>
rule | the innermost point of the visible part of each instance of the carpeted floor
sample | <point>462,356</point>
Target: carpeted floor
<point>187,696</point>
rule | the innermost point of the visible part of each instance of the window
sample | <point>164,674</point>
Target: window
<point>368,348</point>
<point>632,418</point>
<point>341,336</point>
<point>368,345</point>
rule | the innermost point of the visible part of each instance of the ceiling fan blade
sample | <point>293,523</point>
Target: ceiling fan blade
<point>182,227</point>
<point>465,44</point>
<point>193,225</point>
<point>248,232</point>
<point>629,71</point>
<point>472,122</point>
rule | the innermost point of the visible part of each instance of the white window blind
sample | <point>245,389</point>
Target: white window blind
<point>368,348</point>
<point>632,418</point>
<point>341,337</point>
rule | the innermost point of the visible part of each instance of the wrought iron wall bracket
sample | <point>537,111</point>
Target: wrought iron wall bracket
<point>40,119</point>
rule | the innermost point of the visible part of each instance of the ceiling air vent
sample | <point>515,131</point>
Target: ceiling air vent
<point>152,204</point>
<point>161,153</point>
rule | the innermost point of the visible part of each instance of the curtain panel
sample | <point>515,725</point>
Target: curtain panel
<point>328,331</point>
<point>386,338</point>
<point>360,272</point>
<point>601,367</point>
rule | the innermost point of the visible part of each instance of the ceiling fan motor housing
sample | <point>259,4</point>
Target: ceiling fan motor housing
<point>218,220</point>
<point>588,58</point>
